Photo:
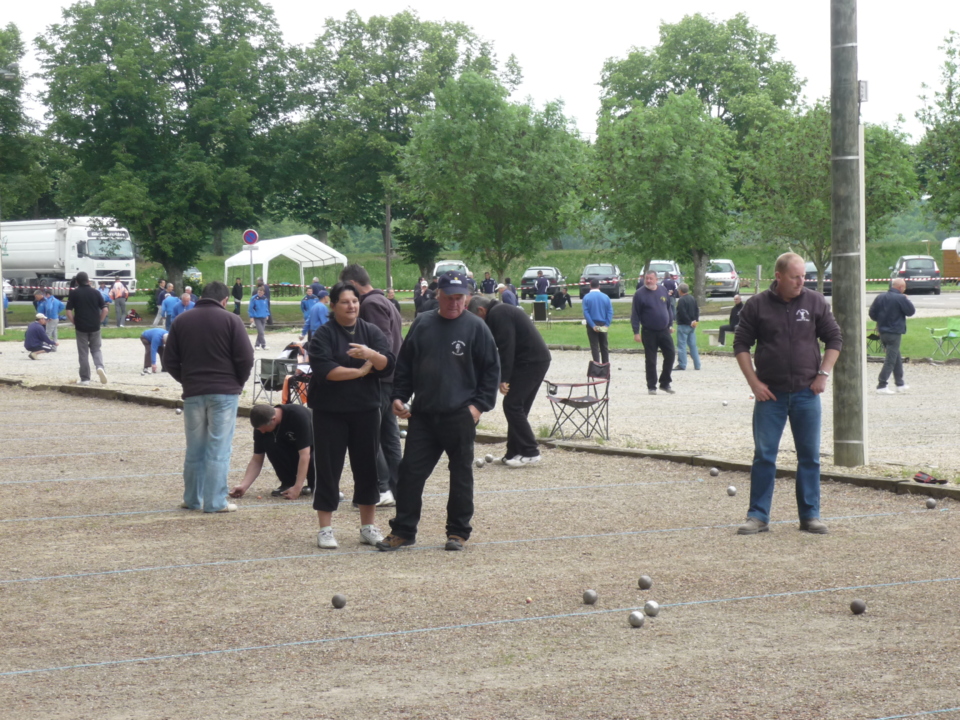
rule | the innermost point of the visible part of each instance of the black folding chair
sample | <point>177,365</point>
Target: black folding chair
<point>269,377</point>
<point>582,409</point>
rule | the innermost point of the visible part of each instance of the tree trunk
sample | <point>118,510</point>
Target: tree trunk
<point>387,246</point>
<point>218,241</point>
<point>321,235</point>
<point>700,260</point>
<point>557,243</point>
<point>174,275</point>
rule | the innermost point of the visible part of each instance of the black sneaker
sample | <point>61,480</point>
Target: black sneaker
<point>394,542</point>
<point>276,493</point>
<point>454,542</point>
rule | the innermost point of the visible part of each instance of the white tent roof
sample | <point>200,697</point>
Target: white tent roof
<point>302,249</point>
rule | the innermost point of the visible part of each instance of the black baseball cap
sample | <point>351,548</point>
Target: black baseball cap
<point>453,283</point>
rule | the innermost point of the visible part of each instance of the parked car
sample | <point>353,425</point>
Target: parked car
<point>446,265</point>
<point>664,269</point>
<point>810,279</point>
<point>722,278</point>
<point>192,274</point>
<point>920,272</point>
<point>527,287</point>
<point>610,277</point>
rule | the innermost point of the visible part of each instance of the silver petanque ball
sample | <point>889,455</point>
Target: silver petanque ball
<point>714,472</point>
<point>403,433</point>
<point>179,411</point>
<point>589,597</point>
<point>406,406</point>
<point>731,491</point>
<point>651,608</point>
<point>636,618</point>
<point>645,582</point>
<point>931,503</point>
<point>725,403</point>
<point>479,462</point>
<point>488,459</point>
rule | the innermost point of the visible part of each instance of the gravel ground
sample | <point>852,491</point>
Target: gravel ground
<point>909,432</point>
<point>119,605</point>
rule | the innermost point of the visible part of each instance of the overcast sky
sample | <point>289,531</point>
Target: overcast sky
<point>561,47</point>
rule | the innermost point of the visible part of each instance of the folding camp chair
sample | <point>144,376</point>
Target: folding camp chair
<point>875,345</point>
<point>269,377</point>
<point>582,409</point>
<point>947,338</point>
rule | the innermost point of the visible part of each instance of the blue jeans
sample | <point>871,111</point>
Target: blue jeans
<point>687,335</point>
<point>208,421</point>
<point>769,418</point>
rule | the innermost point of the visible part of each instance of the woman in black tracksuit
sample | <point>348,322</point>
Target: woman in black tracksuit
<point>347,358</point>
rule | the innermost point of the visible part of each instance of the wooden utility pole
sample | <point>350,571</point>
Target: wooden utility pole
<point>849,411</point>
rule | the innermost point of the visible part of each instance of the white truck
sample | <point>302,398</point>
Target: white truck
<point>50,253</point>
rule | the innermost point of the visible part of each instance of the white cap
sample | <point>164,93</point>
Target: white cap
<point>41,316</point>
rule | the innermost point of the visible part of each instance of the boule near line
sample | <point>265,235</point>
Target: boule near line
<point>179,411</point>
<point>589,597</point>
<point>931,503</point>
<point>339,601</point>
<point>857,607</point>
<point>645,582</point>
<point>651,608</point>
<point>636,619</point>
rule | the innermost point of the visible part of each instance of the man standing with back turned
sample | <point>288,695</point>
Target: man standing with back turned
<point>890,311</point>
<point>786,322</point>
<point>449,365</point>
<point>86,310</point>
<point>209,354</point>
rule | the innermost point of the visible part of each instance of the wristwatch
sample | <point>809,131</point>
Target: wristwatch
<point>823,372</point>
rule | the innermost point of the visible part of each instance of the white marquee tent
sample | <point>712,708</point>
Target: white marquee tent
<point>302,249</point>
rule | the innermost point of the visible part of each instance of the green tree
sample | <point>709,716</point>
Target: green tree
<point>939,151</point>
<point>166,106</point>
<point>892,185</point>
<point>730,65</point>
<point>417,245</point>
<point>364,85</point>
<point>664,178</point>
<point>500,179</point>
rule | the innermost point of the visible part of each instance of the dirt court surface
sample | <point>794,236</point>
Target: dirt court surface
<point>119,605</point>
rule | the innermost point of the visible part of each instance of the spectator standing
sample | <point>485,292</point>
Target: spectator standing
<point>348,356</point>
<point>392,297</point>
<point>419,295</point>
<point>449,365</point>
<point>734,320</point>
<point>317,287</point>
<point>319,315</point>
<point>52,307</point>
<point>258,311</point>
<point>890,311</point>
<point>307,302</point>
<point>86,310</point>
<point>507,296</point>
<point>672,288</point>
<point>471,283</point>
<point>158,298</point>
<point>652,320</point>
<point>598,314</point>
<point>208,353</point>
<point>377,310</point>
<point>169,306</point>
<point>786,322</point>
<point>237,292</point>
<point>524,361</point>
<point>266,292</point>
<point>105,294</point>
<point>36,341</point>
<point>688,317</point>
<point>184,304</point>
<point>488,286</point>
<point>119,295</point>
<point>153,341</point>
<point>430,301</point>
<point>284,434</point>
<point>510,286</point>
<point>189,291</point>
<point>542,287</point>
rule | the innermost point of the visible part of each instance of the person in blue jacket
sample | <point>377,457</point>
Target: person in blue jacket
<point>105,294</point>
<point>168,307</point>
<point>36,340</point>
<point>183,304</point>
<point>319,314</point>
<point>258,312</point>
<point>598,313</point>
<point>308,301</point>
<point>52,307</point>
<point>153,340</point>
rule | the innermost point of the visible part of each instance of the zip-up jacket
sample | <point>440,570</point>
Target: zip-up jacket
<point>259,307</point>
<point>787,356</point>
<point>891,310</point>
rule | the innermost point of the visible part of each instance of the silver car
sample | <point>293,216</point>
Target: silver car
<point>722,278</point>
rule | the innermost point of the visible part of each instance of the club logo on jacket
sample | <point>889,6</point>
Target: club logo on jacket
<point>458,346</point>
<point>803,315</point>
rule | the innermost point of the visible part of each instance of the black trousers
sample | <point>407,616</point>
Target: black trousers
<point>334,434</point>
<point>652,341</point>
<point>428,437</point>
<point>388,459</point>
<point>598,345</point>
<point>286,464</point>
<point>524,386</point>
<point>236,307</point>
<point>724,329</point>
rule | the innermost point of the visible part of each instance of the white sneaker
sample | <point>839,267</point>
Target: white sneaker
<point>886,391</point>
<point>902,388</point>
<point>265,347</point>
<point>326,540</point>
<point>229,507</point>
<point>32,356</point>
<point>522,461</point>
<point>83,382</point>
<point>146,371</point>
<point>342,498</point>
<point>369,534</point>
<point>506,461</point>
<point>102,375</point>
<point>387,499</point>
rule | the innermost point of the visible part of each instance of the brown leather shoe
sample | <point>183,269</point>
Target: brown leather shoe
<point>454,542</point>
<point>753,526</point>
<point>813,525</point>
<point>394,542</point>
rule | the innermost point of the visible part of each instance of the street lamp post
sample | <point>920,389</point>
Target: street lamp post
<point>6,73</point>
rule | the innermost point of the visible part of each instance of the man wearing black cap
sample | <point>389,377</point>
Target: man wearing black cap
<point>449,365</point>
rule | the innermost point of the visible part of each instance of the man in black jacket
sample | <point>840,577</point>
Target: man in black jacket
<point>524,361</point>
<point>208,352</point>
<point>449,365</point>
<point>688,317</point>
<point>890,311</point>
<point>86,309</point>
<point>652,321</point>
<point>237,293</point>
<point>731,325</point>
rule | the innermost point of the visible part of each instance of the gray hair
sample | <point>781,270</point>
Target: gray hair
<point>684,288</point>
<point>479,301</point>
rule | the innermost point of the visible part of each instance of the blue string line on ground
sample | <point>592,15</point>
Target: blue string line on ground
<point>371,551</point>
<point>920,714</point>
<point>464,626</point>
<point>103,452</point>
